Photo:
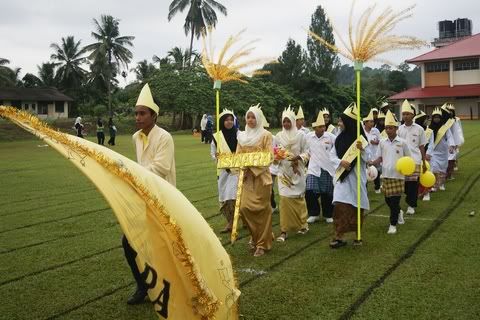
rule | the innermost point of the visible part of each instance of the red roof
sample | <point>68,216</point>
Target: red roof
<point>469,47</point>
<point>469,90</point>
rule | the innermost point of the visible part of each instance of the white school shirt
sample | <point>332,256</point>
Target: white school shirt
<point>391,151</point>
<point>373,135</point>
<point>319,152</point>
<point>414,135</point>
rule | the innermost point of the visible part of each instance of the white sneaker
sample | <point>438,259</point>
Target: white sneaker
<point>313,219</point>
<point>329,220</point>
<point>433,190</point>
<point>442,187</point>
<point>378,191</point>
<point>426,197</point>
<point>392,230</point>
<point>410,210</point>
<point>400,218</point>
<point>455,169</point>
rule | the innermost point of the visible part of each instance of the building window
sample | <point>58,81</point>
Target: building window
<point>470,64</point>
<point>25,106</point>
<point>437,66</point>
<point>59,107</point>
<point>42,108</point>
<point>33,106</point>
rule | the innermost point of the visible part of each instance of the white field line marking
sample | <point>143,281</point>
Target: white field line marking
<point>406,217</point>
<point>253,271</point>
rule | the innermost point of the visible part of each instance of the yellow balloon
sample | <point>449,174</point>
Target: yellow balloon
<point>427,179</point>
<point>405,165</point>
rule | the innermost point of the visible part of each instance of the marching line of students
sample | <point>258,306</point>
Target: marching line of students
<point>317,174</point>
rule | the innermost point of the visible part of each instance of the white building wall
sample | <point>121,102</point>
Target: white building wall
<point>466,77</point>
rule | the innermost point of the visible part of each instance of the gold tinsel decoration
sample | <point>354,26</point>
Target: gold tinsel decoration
<point>371,37</point>
<point>227,67</point>
<point>204,297</point>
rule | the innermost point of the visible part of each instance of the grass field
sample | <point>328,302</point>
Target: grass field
<point>61,255</point>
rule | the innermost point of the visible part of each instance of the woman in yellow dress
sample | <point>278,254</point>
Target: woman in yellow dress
<point>255,207</point>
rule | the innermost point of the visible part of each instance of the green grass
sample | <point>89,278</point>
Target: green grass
<point>60,254</point>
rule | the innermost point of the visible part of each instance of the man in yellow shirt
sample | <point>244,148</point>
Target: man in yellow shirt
<point>155,151</point>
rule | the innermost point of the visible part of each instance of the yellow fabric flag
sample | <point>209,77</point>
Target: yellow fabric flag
<point>188,273</point>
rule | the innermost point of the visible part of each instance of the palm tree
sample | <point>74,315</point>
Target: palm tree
<point>69,57</point>
<point>162,62</point>
<point>112,45</point>
<point>46,74</point>
<point>143,70</point>
<point>181,58</point>
<point>8,76</point>
<point>201,15</point>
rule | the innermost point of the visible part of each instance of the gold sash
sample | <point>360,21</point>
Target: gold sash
<point>441,132</point>
<point>349,156</point>
<point>428,134</point>
<point>330,128</point>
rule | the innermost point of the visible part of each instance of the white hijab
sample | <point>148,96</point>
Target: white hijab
<point>287,138</point>
<point>78,120</point>
<point>251,136</point>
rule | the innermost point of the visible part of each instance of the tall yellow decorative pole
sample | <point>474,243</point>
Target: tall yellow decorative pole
<point>358,69</point>
<point>366,41</point>
<point>217,85</point>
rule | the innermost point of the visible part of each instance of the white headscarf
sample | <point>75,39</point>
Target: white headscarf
<point>251,136</point>
<point>78,120</point>
<point>287,138</point>
<point>203,122</point>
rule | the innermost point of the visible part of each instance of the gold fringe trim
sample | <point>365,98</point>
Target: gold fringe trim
<point>205,304</point>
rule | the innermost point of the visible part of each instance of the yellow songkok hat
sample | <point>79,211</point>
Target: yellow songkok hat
<point>145,99</point>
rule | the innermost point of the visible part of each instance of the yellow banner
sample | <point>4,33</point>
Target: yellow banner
<point>349,156</point>
<point>188,273</point>
<point>242,160</point>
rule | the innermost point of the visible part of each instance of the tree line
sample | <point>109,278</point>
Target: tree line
<point>312,77</point>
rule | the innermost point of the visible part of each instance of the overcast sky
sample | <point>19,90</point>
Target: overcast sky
<point>27,28</point>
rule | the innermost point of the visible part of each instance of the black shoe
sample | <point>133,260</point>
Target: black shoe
<point>337,244</point>
<point>138,297</point>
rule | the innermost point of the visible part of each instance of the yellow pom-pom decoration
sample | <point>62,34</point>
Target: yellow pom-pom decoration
<point>427,179</point>
<point>406,166</point>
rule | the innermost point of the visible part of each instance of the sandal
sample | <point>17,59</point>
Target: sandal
<point>282,237</point>
<point>335,244</point>
<point>303,231</point>
<point>259,252</point>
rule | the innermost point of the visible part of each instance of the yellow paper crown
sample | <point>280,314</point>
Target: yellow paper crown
<point>369,117</point>
<point>325,111</point>
<point>352,111</point>
<point>390,119</point>
<point>300,114</point>
<point>145,99</point>
<point>381,115</point>
<point>225,112</point>
<point>407,107</point>
<point>265,123</point>
<point>437,111</point>
<point>450,106</point>
<point>320,120</point>
<point>289,113</point>
<point>420,114</point>
<point>445,107</point>
<point>375,110</point>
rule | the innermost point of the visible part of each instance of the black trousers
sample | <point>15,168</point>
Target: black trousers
<point>313,206</point>
<point>101,137</point>
<point>111,142</point>
<point>394,205</point>
<point>130,254</point>
<point>203,135</point>
<point>377,182</point>
<point>411,190</point>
